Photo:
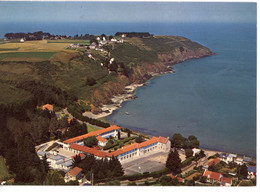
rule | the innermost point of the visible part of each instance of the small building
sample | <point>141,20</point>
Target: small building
<point>239,161</point>
<point>247,159</point>
<point>231,157</point>
<point>47,106</point>
<point>93,45</point>
<point>73,175</point>
<point>22,40</point>
<point>212,163</point>
<point>251,172</point>
<point>69,120</point>
<point>113,40</point>
<point>212,177</point>
<point>226,181</point>
<point>123,35</point>
<point>223,157</point>
<point>101,141</point>
<point>178,178</point>
<point>196,151</point>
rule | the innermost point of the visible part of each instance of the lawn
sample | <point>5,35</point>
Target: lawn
<point>25,55</point>
<point>3,169</point>
<point>193,175</point>
<point>92,128</point>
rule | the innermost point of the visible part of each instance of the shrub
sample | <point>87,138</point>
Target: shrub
<point>187,162</point>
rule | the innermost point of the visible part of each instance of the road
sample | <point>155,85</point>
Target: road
<point>65,111</point>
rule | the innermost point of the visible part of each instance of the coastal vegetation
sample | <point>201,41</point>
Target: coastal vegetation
<point>37,72</point>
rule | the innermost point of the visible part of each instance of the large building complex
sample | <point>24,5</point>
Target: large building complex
<point>75,146</point>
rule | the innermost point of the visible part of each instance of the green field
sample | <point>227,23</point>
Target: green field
<point>92,128</point>
<point>14,49</point>
<point>41,55</point>
<point>69,41</point>
<point>3,169</point>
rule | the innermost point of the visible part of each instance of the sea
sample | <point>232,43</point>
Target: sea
<point>213,98</point>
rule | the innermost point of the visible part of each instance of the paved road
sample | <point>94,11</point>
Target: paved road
<point>81,122</point>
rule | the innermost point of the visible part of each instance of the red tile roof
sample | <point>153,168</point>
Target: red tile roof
<point>124,149</point>
<point>101,139</point>
<point>212,175</point>
<point>136,145</point>
<point>162,139</point>
<point>94,133</point>
<point>214,162</point>
<point>47,106</point>
<point>81,156</point>
<point>75,171</point>
<point>69,120</point>
<point>179,178</point>
<point>226,180</point>
<point>88,150</point>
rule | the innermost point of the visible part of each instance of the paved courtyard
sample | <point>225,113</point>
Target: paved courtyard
<point>149,163</point>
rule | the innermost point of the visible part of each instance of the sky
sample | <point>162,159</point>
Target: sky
<point>127,12</point>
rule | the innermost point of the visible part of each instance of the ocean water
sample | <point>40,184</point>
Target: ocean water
<point>213,98</point>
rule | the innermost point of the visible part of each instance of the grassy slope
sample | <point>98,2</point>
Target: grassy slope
<point>3,169</point>
<point>69,69</point>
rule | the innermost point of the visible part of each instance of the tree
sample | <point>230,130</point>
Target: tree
<point>90,81</point>
<point>116,167</point>
<point>242,171</point>
<point>128,134</point>
<point>174,162</point>
<point>166,181</point>
<point>45,164</point>
<point>132,184</point>
<point>118,135</point>
<point>90,141</point>
<point>54,178</point>
<point>188,153</point>
<point>193,142</point>
<point>139,139</point>
<point>178,141</point>
<point>76,161</point>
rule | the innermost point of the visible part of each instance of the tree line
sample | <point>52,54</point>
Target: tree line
<point>134,34</point>
<point>39,35</point>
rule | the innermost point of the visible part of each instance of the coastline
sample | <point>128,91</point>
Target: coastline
<point>117,100</point>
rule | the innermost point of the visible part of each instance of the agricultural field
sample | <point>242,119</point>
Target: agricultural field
<point>26,56</point>
<point>69,41</point>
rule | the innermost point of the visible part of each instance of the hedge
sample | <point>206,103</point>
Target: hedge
<point>187,162</point>
<point>155,174</point>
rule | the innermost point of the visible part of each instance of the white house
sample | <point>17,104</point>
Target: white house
<point>22,40</point>
<point>101,141</point>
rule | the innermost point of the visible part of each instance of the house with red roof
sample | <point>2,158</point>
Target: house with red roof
<point>178,178</point>
<point>251,172</point>
<point>212,163</point>
<point>101,141</point>
<point>73,175</point>
<point>47,106</point>
<point>214,177</point>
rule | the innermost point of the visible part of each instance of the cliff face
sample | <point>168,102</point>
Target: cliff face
<point>142,72</point>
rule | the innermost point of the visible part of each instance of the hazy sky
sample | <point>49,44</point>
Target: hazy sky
<point>127,12</point>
